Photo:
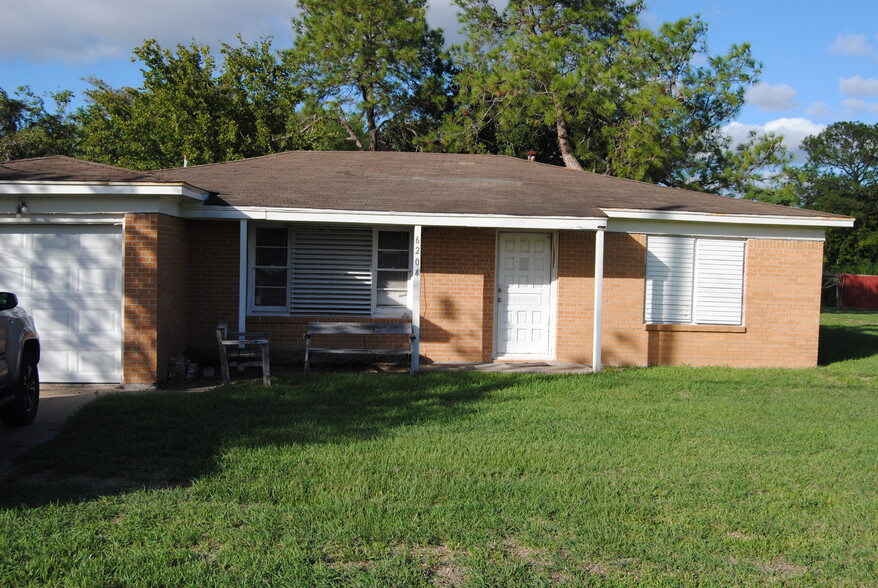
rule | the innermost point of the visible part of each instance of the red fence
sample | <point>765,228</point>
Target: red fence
<point>856,291</point>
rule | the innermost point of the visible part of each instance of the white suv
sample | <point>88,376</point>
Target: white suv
<point>19,356</point>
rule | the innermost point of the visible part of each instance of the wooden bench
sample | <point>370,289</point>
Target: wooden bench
<point>240,350</point>
<point>365,329</point>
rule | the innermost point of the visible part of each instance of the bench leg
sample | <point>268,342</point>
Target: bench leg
<point>224,366</point>
<point>266,369</point>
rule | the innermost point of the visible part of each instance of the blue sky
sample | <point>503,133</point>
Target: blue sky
<point>820,59</point>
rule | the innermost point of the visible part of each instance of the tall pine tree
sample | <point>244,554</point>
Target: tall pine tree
<point>367,62</point>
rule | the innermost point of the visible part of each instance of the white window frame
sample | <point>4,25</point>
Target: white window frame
<point>704,265</point>
<point>391,311</point>
<point>375,310</point>
<point>252,308</point>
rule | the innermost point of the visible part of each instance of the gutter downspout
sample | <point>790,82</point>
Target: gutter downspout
<point>598,299</point>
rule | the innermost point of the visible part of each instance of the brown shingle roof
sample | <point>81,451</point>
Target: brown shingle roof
<point>437,183</point>
<point>59,168</point>
<point>444,183</point>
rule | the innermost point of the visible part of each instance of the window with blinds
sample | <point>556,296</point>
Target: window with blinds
<point>329,270</point>
<point>694,281</point>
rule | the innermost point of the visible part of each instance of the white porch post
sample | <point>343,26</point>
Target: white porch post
<point>598,298</point>
<point>242,279</point>
<point>416,298</point>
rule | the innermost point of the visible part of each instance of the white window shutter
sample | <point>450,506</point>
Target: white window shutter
<point>669,279</point>
<point>719,282</point>
<point>331,271</point>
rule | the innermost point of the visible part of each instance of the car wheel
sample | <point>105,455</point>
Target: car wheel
<point>23,409</point>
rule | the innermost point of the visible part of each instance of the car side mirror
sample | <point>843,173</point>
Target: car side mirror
<point>8,300</point>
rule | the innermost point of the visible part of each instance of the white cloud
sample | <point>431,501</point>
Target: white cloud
<point>818,109</point>
<point>793,131</point>
<point>850,45</point>
<point>855,107</point>
<point>82,31</point>
<point>858,86</point>
<point>772,98</point>
<point>87,30</point>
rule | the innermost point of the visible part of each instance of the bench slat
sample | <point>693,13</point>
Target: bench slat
<point>359,328</point>
<point>361,351</point>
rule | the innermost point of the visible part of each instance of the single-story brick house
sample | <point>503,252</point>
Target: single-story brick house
<point>489,257</point>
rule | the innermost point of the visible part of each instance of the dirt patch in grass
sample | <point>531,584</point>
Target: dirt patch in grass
<point>777,568</point>
<point>529,555</point>
<point>440,564</point>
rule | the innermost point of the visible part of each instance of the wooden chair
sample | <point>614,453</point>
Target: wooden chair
<point>240,350</point>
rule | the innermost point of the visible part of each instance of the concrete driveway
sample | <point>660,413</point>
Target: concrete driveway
<point>57,402</point>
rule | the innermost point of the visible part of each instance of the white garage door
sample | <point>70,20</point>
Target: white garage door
<point>70,278</point>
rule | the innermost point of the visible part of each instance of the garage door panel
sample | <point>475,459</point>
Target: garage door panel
<point>11,242</point>
<point>106,322</point>
<point>108,248</point>
<point>96,280</point>
<point>54,243</point>
<point>55,322</point>
<point>13,278</point>
<point>95,363</point>
<point>70,277</point>
<point>70,364</point>
<point>61,278</point>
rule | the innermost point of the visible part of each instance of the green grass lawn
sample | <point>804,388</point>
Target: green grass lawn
<point>642,477</point>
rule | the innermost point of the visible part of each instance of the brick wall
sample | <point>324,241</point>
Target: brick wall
<point>172,289</point>
<point>457,302</point>
<point>457,305</point>
<point>781,308</point>
<point>213,298</point>
<point>624,342</point>
<point>140,335</point>
<point>155,295</point>
<point>213,284</point>
<point>781,314</point>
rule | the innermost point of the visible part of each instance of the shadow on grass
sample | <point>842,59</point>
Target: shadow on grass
<point>123,442</point>
<point>844,342</point>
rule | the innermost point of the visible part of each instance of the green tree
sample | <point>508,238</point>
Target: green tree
<point>28,129</point>
<point>191,109</point>
<point>841,176</point>
<point>371,67</point>
<point>535,64</point>
<point>619,98</point>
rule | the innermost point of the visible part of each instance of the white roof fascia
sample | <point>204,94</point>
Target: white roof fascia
<point>732,231</point>
<point>102,189</point>
<point>39,204</point>
<point>85,219</point>
<point>740,219</point>
<point>258,213</point>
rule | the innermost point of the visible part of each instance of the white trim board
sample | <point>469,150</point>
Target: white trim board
<point>394,218</point>
<point>47,205</point>
<point>696,229</point>
<point>738,219</point>
<point>101,189</point>
<point>86,219</point>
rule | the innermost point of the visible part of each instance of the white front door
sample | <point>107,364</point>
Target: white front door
<point>70,278</point>
<point>524,294</point>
